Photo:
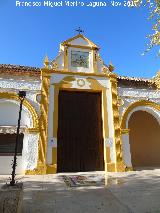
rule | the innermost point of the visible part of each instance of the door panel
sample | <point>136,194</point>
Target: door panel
<point>80,141</point>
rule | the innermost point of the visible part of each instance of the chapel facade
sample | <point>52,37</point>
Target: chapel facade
<point>78,115</point>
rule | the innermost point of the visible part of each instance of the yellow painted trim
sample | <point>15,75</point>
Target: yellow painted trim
<point>49,72</point>
<point>54,155</point>
<point>80,36</point>
<point>46,62</point>
<point>156,80</point>
<point>134,105</point>
<point>125,131</point>
<point>119,166</point>
<point>111,167</point>
<point>51,169</point>
<point>128,169</point>
<point>38,95</point>
<point>41,167</point>
<point>39,170</point>
<point>66,58</point>
<point>81,47</point>
<point>32,130</point>
<point>95,61</point>
<point>30,172</point>
<point>126,113</point>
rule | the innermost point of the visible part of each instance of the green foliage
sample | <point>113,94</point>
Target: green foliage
<point>154,16</point>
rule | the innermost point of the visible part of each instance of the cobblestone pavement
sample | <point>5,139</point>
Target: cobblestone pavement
<point>131,192</point>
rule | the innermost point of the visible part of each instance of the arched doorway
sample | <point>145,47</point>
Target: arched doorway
<point>144,138</point>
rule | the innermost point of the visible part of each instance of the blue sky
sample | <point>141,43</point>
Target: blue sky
<point>27,34</point>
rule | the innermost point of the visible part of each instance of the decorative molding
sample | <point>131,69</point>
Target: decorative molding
<point>125,131</point>
<point>38,98</point>
<point>103,82</point>
<point>11,129</point>
<point>156,80</point>
<point>32,130</point>
<point>31,153</point>
<point>54,65</point>
<point>91,44</point>
<point>30,96</point>
<point>128,169</point>
<point>80,83</point>
<point>43,127</point>
<point>138,93</point>
<point>66,58</point>
<point>47,73</point>
<point>81,47</point>
<point>116,120</point>
<point>95,61</point>
<point>136,104</point>
<point>20,85</point>
<point>26,103</point>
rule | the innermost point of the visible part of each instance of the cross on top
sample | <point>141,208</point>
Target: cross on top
<point>79,30</point>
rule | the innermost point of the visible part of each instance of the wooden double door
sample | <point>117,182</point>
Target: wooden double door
<point>80,136</point>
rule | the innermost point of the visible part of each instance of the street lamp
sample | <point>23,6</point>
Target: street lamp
<point>22,95</point>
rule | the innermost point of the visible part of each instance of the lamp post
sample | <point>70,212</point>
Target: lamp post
<point>22,95</point>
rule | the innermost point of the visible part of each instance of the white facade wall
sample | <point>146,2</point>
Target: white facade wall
<point>130,96</point>
<point>9,110</point>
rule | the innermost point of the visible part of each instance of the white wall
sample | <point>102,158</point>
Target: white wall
<point>126,150</point>
<point>80,41</point>
<point>130,96</point>
<point>6,168</point>
<point>9,110</point>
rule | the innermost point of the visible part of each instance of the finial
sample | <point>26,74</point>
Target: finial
<point>111,67</point>
<point>79,30</point>
<point>46,62</point>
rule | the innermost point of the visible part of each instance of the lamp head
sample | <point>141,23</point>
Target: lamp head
<point>22,94</point>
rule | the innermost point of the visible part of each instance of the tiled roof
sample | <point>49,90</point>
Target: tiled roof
<point>123,81</point>
<point>8,69</point>
<point>134,78</point>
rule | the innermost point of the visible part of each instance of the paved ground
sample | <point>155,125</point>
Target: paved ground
<point>136,192</point>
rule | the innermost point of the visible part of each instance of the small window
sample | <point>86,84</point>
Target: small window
<point>7,144</point>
